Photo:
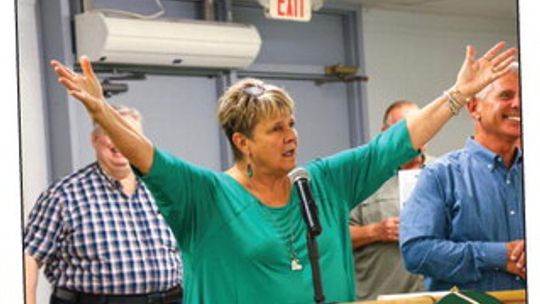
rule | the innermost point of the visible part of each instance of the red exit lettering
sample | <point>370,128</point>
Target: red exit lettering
<point>290,8</point>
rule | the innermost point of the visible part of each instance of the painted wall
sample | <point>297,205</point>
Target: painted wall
<point>417,57</point>
<point>35,155</point>
<point>33,114</point>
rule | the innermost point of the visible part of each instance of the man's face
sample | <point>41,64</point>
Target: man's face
<point>399,113</point>
<point>395,116</point>
<point>108,156</point>
<point>498,114</point>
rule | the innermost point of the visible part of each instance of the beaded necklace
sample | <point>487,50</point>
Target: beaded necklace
<point>287,238</point>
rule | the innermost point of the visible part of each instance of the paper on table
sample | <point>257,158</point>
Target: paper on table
<point>436,294</point>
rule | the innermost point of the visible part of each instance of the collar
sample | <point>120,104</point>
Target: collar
<point>489,157</point>
<point>109,180</point>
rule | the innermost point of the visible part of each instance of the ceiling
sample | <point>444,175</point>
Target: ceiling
<point>500,9</point>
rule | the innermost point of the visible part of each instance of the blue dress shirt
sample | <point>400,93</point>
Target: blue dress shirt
<point>455,225</point>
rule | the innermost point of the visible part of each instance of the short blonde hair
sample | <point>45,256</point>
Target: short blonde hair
<point>246,103</point>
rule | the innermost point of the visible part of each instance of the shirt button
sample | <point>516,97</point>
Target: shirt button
<point>490,167</point>
<point>508,182</point>
<point>512,212</point>
<point>518,278</point>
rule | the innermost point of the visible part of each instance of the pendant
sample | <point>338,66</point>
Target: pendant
<point>295,264</point>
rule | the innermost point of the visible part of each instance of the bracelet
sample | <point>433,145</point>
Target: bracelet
<point>454,102</point>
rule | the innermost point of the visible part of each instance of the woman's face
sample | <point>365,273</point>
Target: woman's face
<point>273,145</point>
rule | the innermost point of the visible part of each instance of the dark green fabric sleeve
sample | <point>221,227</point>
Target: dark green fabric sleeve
<point>184,194</point>
<point>357,173</point>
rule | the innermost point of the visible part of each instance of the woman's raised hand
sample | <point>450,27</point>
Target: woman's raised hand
<point>475,74</point>
<point>85,87</point>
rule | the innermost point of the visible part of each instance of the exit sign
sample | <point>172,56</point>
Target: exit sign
<point>294,10</point>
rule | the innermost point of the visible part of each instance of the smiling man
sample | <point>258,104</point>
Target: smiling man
<point>100,236</point>
<point>464,223</point>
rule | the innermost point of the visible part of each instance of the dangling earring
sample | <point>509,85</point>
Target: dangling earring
<point>249,171</point>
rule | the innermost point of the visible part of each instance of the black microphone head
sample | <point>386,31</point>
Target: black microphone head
<point>297,174</point>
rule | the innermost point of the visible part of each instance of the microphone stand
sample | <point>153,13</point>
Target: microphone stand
<point>300,179</point>
<point>313,251</point>
<point>311,217</point>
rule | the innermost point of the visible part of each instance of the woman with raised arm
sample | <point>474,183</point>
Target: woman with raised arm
<point>241,231</point>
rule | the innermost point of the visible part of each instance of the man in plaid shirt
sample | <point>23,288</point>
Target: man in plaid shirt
<point>100,235</point>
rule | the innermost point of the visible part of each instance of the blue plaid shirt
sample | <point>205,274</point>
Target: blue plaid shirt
<point>93,238</point>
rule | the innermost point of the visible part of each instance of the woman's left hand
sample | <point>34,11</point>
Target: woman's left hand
<point>475,74</point>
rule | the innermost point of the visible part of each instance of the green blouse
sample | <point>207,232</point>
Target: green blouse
<point>237,250</point>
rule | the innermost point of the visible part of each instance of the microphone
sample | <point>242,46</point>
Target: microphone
<point>299,177</point>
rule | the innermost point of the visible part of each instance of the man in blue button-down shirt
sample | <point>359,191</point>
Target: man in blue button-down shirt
<point>464,223</point>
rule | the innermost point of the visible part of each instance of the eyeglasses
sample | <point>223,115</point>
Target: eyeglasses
<point>255,91</point>
<point>258,89</point>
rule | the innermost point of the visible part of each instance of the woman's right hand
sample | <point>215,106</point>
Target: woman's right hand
<point>126,137</point>
<point>85,87</point>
